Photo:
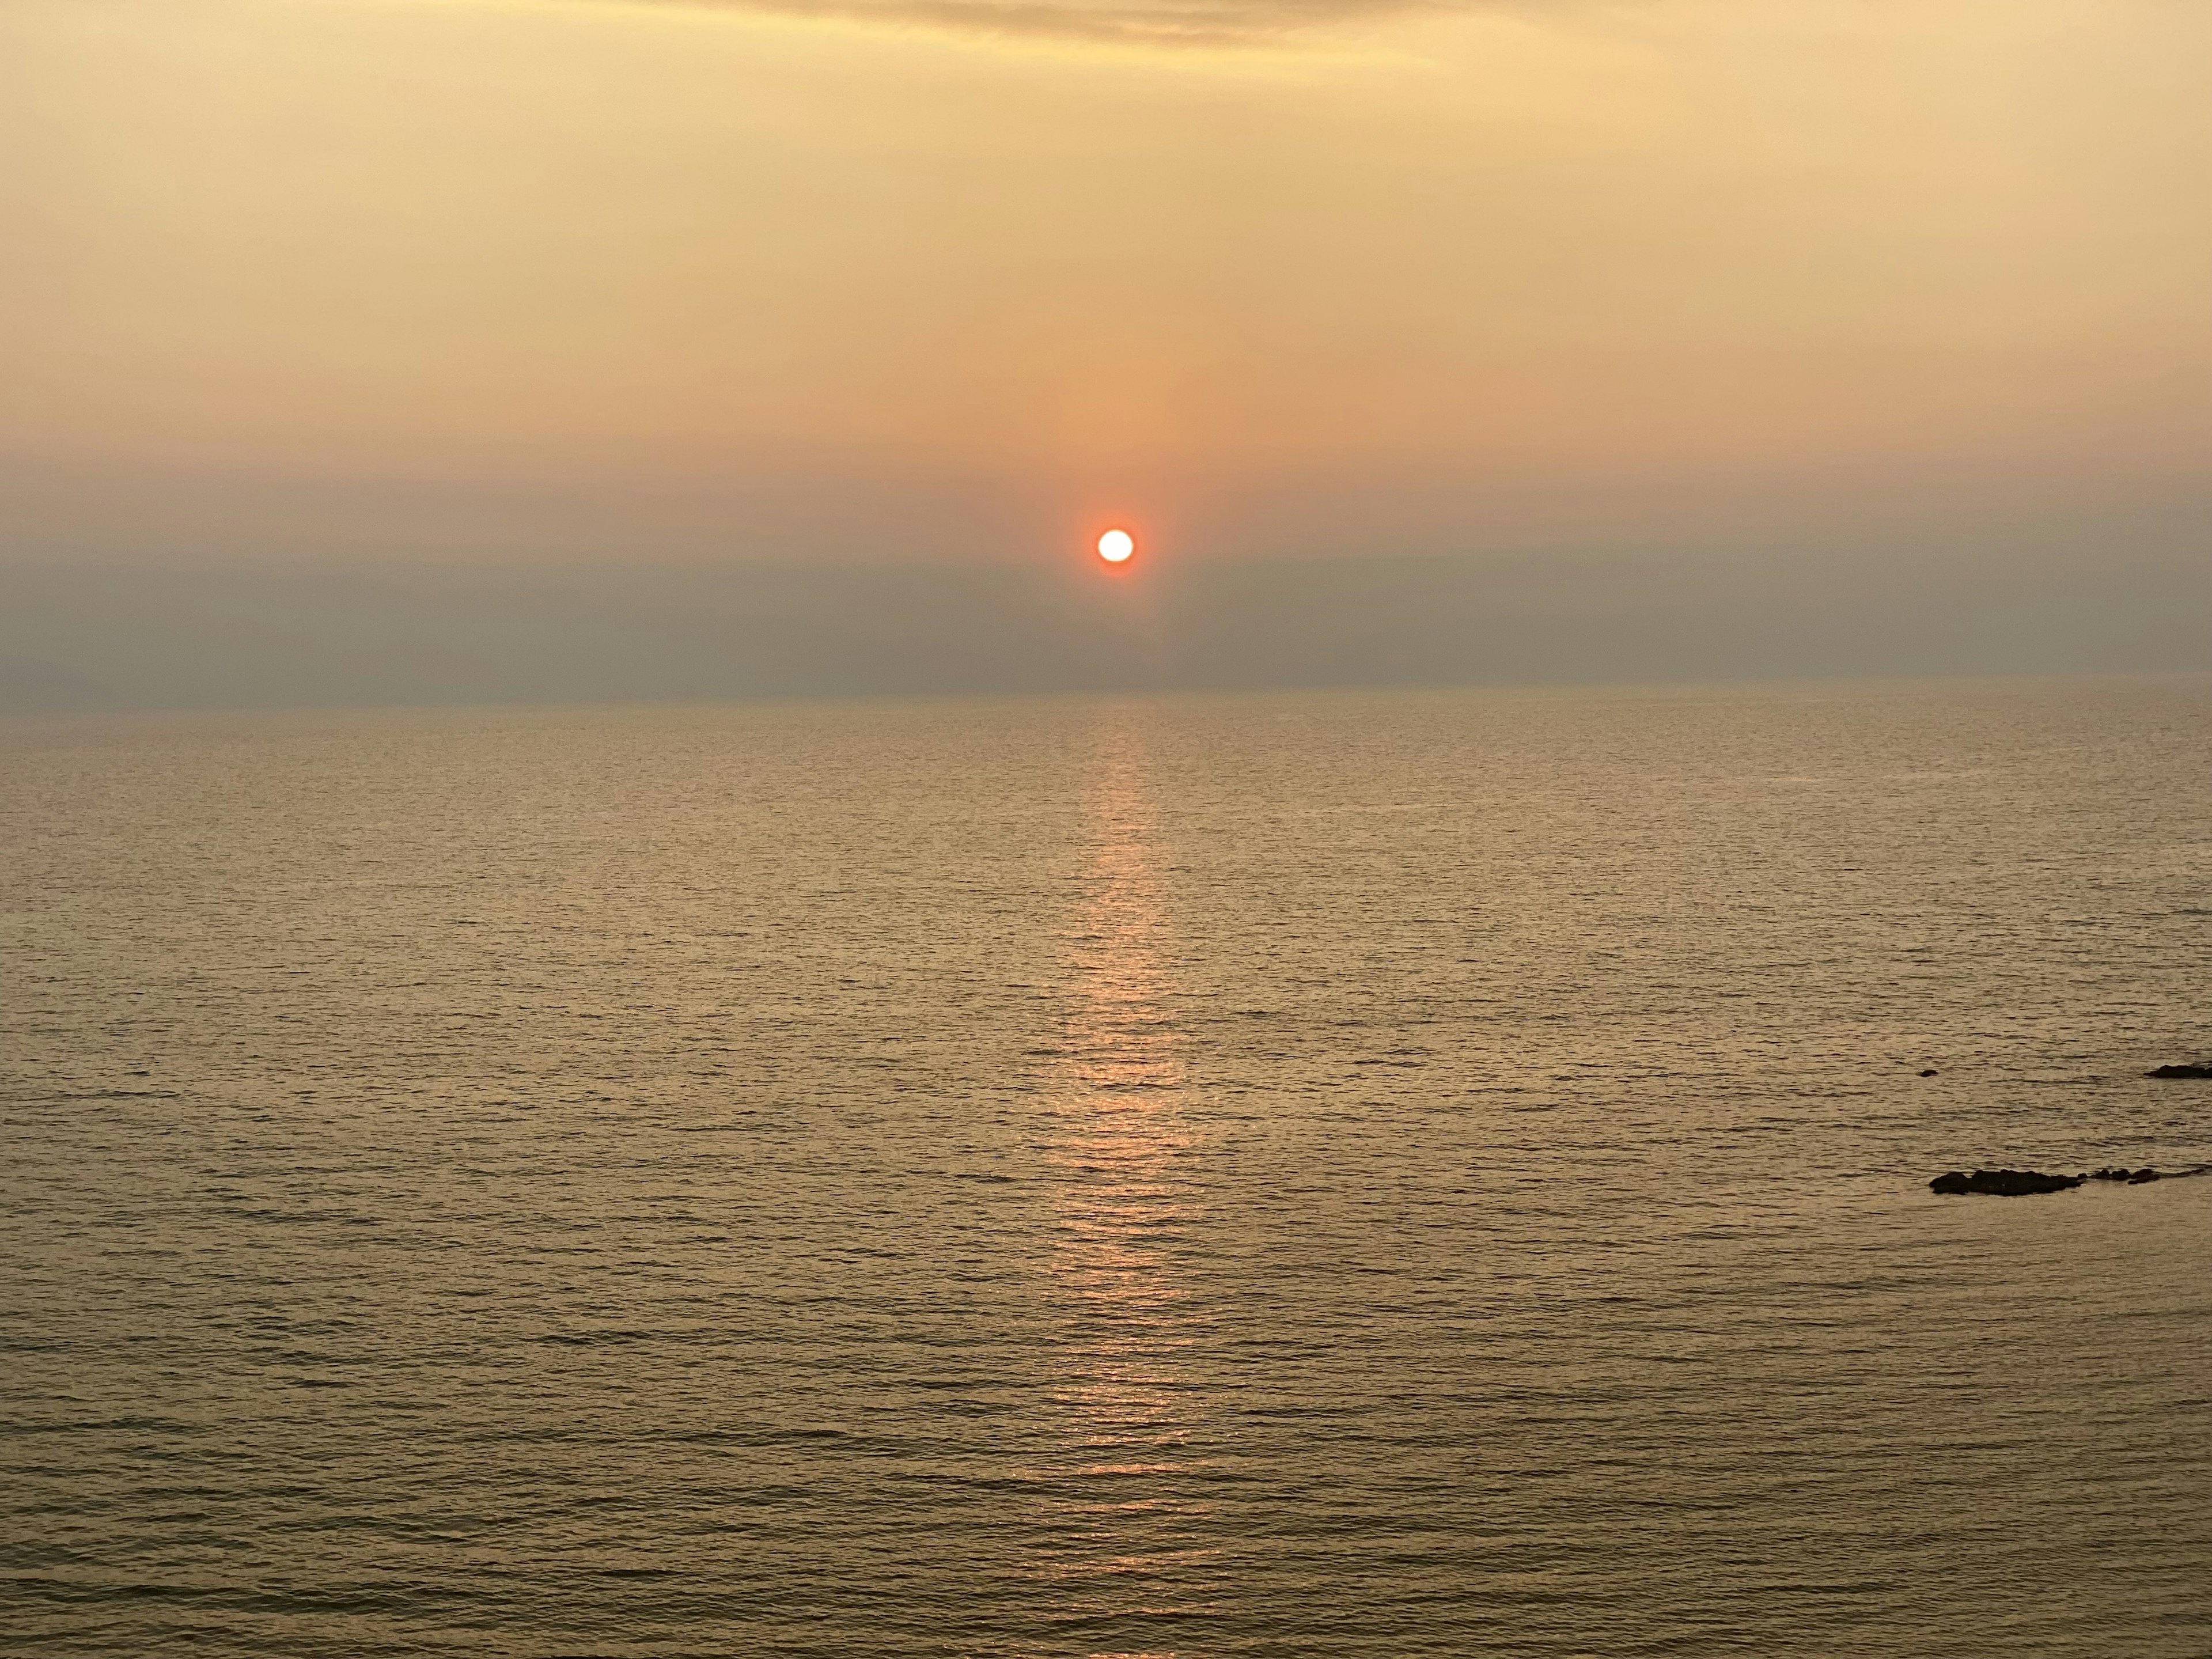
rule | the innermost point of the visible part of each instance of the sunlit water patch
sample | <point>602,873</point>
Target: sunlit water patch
<point>1383,1174</point>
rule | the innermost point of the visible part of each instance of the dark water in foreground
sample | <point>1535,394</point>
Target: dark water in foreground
<point>1354,1175</point>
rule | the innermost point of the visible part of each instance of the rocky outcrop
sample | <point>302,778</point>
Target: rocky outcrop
<point>2003,1183</point>
<point>2180,1071</point>
<point>2021,1183</point>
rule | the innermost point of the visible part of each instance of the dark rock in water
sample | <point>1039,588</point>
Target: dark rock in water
<point>2181,1071</point>
<point>2133,1177</point>
<point>2141,1176</point>
<point>1931,1072</point>
<point>2003,1183</point>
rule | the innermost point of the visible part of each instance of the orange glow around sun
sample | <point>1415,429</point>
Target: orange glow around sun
<point>1117,546</point>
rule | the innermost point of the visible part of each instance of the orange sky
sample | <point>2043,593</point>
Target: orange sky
<point>1447,275</point>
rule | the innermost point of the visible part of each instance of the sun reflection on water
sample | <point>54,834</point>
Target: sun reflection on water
<point>1126,1484</point>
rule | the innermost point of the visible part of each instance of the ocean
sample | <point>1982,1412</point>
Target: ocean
<point>1337,1173</point>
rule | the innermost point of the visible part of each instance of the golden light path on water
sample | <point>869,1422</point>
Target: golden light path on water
<point>1130,1406</point>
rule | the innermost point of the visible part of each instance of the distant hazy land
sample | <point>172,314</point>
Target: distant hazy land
<point>88,633</point>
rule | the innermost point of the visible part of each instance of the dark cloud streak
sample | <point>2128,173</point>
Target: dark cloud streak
<point>1219,25</point>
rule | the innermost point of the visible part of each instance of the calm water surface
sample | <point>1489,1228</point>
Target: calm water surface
<point>1373,1174</point>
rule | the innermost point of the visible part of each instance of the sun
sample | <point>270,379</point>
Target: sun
<point>1117,546</point>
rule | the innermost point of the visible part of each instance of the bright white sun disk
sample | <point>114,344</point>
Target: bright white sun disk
<point>1117,546</point>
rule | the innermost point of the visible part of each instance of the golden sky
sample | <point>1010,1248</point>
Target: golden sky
<point>1332,273</point>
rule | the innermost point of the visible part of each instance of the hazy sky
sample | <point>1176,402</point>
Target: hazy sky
<point>961,279</point>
